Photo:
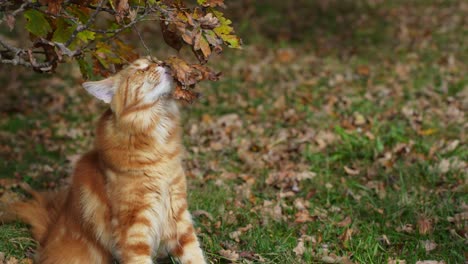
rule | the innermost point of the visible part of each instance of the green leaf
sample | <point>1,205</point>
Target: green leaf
<point>63,32</point>
<point>36,23</point>
<point>232,41</point>
<point>86,36</point>
<point>201,2</point>
<point>85,68</point>
<point>226,32</point>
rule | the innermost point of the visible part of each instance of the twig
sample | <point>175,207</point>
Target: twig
<point>53,51</point>
<point>81,28</point>
<point>148,52</point>
<point>19,10</point>
<point>17,58</point>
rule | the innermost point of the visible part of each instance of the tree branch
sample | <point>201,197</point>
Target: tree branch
<point>81,28</point>
<point>19,10</point>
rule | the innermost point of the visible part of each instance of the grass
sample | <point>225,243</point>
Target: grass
<point>380,189</point>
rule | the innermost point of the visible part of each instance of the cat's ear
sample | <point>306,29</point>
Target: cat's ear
<point>103,90</point>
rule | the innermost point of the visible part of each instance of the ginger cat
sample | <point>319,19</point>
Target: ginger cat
<point>127,200</point>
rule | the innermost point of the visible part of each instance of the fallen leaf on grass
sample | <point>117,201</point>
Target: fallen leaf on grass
<point>408,228</point>
<point>249,255</point>
<point>363,70</point>
<point>424,225</point>
<point>444,166</point>
<point>301,204</point>
<point>429,245</point>
<point>347,234</point>
<point>299,250</point>
<point>429,262</point>
<point>11,260</point>
<point>358,119</point>
<point>332,258</point>
<point>236,234</point>
<point>345,222</point>
<point>451,146</point>
<point>198,213</point>
<point>351,171</point>
<point>285,55</point>
<point>303,217</point>
<point>396,261</point>
<point>229,254</point>
<point>9,183</point>
<point>9,197</point>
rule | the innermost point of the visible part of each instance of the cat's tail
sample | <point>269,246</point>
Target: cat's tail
<point>37,212</point>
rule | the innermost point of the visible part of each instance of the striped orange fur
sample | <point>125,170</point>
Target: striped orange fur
<point>127,200</point>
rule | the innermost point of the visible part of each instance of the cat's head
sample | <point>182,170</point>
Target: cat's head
<point>141,84</point>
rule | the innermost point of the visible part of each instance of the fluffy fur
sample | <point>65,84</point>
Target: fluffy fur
<point>127,199</point>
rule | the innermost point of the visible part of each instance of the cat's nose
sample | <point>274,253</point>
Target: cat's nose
<point>166,70</point>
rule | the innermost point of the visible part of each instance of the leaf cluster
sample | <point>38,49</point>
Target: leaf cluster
<point>91,32</point>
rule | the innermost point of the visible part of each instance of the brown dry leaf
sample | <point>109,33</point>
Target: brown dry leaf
<point>213,3</point>
<point>299,203</point>
<point>325,138</point>
<point>429,245</point>
<point>206,73</point>
<point>286,55</point>
<point>363,70</point>
<point>9,196</point>
<point>172,37</point>
<point>430,262</point>
<point>280,103</point>
<point>205,47</point>
<point>402,70</point>
<point>345,222</point>
<point>250,255</point>
<point>236,234</point>
<point>444,166</point>
<point>359,119</point>
<point>332,258</point>
<point>396,261</point>
<point>300,249</point>
<point>229,254</point>
<point>408,228</point>
<point>424,225</point>
<point>27,261</point>
<point>303,217</point>
<point>346,235</point>
<point>186,95</point>
<point>351,171</point>
<point>11,260</point>
<point>53,6</point>
<point>271,209</point>
<point>198,213</point>
<point>122,9</point>
<point>451,146</point>
<point>8,183</point>
<point>209,21</point>
<point>187,76</point>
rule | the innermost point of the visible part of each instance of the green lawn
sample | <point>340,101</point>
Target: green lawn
<point>341,141</point>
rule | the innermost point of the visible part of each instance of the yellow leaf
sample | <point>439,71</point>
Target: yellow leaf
<point>427,132</point>
<point>205,47</point>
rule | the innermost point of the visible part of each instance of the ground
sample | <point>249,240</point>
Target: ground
<point>337,135</point>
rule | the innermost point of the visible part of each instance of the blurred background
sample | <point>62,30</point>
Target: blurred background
<point>336,135</point>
